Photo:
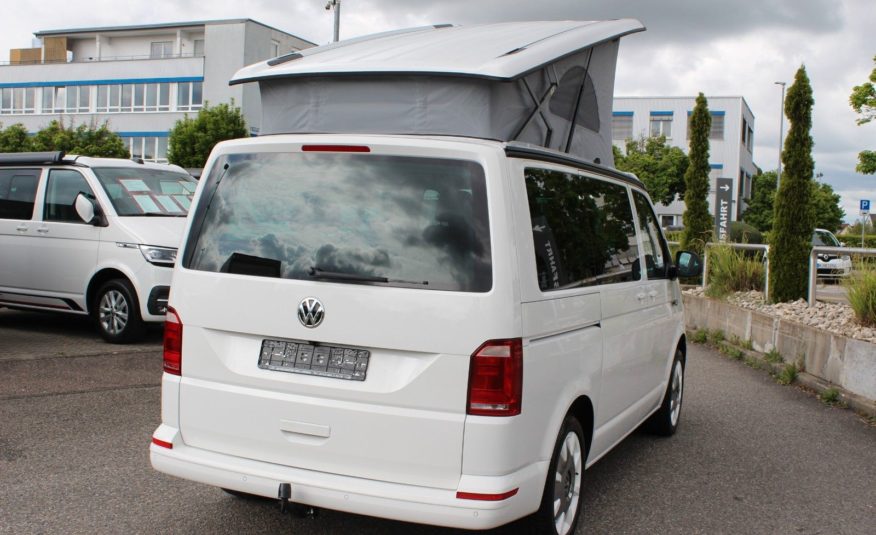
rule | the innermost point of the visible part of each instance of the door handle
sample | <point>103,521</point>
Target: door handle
<point>43,230</point>
<point>21,228</point>
<point>652,294</point>
<point>641,296</point>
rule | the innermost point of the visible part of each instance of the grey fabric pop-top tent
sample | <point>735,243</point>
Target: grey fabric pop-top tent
<point>517,81</point>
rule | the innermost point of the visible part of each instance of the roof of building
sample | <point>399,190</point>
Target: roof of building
<point>160,26</point>
<point>503,51</point>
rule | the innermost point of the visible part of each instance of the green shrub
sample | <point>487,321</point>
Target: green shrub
<point>731,270</point>
<point>700,336</point>
<point>854,240</point>
<point>744,233</point>
<point>861,289</point>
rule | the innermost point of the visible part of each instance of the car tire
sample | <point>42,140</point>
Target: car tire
<point>561,505</point>
<point>117,312</point>
<point>665,421</point>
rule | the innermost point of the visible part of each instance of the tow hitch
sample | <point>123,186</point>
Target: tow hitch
<point>298,510</point>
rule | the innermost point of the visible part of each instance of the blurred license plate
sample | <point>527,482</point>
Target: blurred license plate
<point>295,356</point>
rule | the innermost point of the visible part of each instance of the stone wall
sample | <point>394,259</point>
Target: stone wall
<point>838,360</point>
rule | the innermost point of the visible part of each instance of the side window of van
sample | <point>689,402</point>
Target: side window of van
<point>655,249</point>
<point>61,191</point>
<point>582,228</point>
<point>17,192</point>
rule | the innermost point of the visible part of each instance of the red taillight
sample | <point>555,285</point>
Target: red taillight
<point>173,330</point>
<point>162,443</point>
<point>486,497</point>
<point>335,148</point>
<point>495,379</point>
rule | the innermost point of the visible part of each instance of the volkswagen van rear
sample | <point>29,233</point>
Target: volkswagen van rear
<point>331,295</point>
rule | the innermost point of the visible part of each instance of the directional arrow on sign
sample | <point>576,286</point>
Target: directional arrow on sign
<point>538,228</point>
<point>725,187</point>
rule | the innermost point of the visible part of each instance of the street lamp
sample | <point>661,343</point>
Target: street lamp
<point>336,4</point>
<point>781,127</point>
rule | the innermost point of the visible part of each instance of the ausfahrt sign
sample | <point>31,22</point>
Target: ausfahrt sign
<point>723,200</point>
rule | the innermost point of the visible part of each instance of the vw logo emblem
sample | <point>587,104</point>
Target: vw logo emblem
<point>310,312</point>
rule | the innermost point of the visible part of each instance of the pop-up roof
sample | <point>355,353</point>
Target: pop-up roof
<point>516,81</point>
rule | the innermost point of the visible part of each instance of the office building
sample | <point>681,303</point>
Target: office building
<point>139,79</point>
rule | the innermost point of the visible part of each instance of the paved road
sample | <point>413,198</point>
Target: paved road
<point>751,456</point>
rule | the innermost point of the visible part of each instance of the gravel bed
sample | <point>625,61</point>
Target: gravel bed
<point>831,317</point>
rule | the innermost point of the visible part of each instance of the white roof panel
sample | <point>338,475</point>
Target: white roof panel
<point>503,51</point>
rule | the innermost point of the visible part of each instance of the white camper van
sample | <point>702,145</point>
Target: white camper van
<point>91,236</point>
<point>432,321</point>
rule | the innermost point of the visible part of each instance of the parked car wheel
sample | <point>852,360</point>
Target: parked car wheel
<point>664,422</point>
<point>118,313</point>
<point>561,505</point>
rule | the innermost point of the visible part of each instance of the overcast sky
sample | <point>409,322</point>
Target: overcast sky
<point>719,47</point>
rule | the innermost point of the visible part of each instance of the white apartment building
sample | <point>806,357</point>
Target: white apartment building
<point>731,141</point>
<point>139,79</point>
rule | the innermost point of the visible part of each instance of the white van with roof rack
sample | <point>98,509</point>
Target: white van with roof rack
<point>409,304</point>
<point>91,236</point>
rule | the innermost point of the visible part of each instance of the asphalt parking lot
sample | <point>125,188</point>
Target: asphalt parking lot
<point>76,416</point>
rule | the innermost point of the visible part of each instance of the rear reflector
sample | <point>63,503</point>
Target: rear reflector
<point>335,148</point>
<point>495,380</point>
<point>486,497</point>
<point>173,329</point>
<point>162,443</point>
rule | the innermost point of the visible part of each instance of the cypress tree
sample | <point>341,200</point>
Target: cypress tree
<point>698,221</point>
<point>793,219</point>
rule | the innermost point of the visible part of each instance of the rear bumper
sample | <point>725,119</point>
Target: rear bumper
<point>395,501</point>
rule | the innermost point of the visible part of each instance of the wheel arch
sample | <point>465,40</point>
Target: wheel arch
<point>99,279</point>
<point>582,410</point>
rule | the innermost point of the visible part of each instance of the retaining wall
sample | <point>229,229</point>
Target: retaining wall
<point>838,360</point>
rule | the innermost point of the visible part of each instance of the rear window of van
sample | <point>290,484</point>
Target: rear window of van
<point>348,218</point>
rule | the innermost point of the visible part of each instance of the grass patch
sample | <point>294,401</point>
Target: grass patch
<point>830,396</point>
<point>773,357</point>
<point>732,270</point>
<point>788,374</point>
<point>732,352</point>
<point>746,344</point>
<point>716,336</point>
<point>861,289</point>
<point>700,336</point>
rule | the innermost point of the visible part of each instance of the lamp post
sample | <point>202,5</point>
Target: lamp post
<point>781,132</point>
<point>336,5</point>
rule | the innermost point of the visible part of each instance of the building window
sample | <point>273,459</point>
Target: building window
<point>622,125</point>
<point>161,49</point>
<point>667,221</point>
<point>749,144</point>
<point>661,124</point>
<point>199,47</point>
<point>275,49</point>
<point>18,100</point>
<point>189,96</point>
<point>149,148</point>
<point>717,131</point>
<point>69,99</point>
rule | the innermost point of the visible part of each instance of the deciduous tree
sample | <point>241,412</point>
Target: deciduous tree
<point>659,166</point>
<point>863,101</point>
<point>192,139</point>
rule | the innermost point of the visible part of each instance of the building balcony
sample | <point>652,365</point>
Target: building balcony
<point>103,71</point>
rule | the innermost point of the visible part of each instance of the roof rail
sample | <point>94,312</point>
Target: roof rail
<point>31,158</point>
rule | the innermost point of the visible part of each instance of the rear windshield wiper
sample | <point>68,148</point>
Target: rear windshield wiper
<point>317,273</point>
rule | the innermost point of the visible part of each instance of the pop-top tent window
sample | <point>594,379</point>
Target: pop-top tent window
<point>546,83</point>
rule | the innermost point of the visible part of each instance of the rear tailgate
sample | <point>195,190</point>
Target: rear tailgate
<point>444,287</point>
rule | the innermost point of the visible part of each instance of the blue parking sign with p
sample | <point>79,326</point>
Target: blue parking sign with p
<point>865,205</point>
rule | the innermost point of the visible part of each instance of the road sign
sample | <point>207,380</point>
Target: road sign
<point>723,200</point>
<point>865,206</point>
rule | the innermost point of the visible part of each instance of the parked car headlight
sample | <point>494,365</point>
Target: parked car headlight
<point>160,256</point>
